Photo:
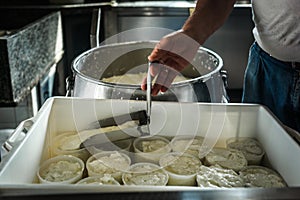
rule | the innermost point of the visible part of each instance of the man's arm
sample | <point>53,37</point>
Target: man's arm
<point>208,16</point>
<point>176,50</point>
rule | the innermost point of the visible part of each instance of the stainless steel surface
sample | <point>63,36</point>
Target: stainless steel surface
<point>95,28</point>
<point>204,84</point>
<point>226,194</point>
<point>113,3</point>
<point>149,90</point>
<point>66,1</point>
<point>146,130</point>
<point>55,7</point>
<point>168,4</point>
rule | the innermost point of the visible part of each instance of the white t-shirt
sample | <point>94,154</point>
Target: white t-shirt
<point>277,28</point>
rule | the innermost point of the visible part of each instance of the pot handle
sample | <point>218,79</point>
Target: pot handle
<point>224,77</point>
<point>69,85</point>
<point>17,136</point>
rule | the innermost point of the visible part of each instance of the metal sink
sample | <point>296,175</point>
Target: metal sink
<point>29,47</point>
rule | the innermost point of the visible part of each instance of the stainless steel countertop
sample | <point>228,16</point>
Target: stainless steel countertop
<point>165,4</point>
<point>224,194</point>
<point>172,4</point>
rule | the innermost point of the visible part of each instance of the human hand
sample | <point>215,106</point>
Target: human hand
<point>171,55</point>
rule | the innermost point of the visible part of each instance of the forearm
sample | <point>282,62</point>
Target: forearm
<point>208,16</point>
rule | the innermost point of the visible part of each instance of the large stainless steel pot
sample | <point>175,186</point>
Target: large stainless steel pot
<point>205,82</point>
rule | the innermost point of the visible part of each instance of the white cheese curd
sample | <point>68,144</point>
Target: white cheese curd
<point>134,79</point>
<point>72,140</point>
<point>259,176</point>
<point>153,145</point>
<point>105,179</point>
<point>226,158</point>
<point>61,169</point>
<point>145,174</point>
<point>181,167</point>
<point>216,176</point>
<point>250,147</point>
<point>150,148</point>
<point>66,141</point>
<point>113,163</point>
<point>187,144</point>
<point>182,164</point>
<point>66,144</point>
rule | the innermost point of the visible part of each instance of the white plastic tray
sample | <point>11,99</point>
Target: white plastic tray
<point>221,121</point>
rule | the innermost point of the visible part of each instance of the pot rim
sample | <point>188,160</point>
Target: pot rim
<point>202,78</point>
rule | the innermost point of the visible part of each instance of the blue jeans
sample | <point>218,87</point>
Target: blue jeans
<point>275,84</point>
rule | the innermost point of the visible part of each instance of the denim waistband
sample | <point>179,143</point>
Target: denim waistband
<point>293,65</point>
